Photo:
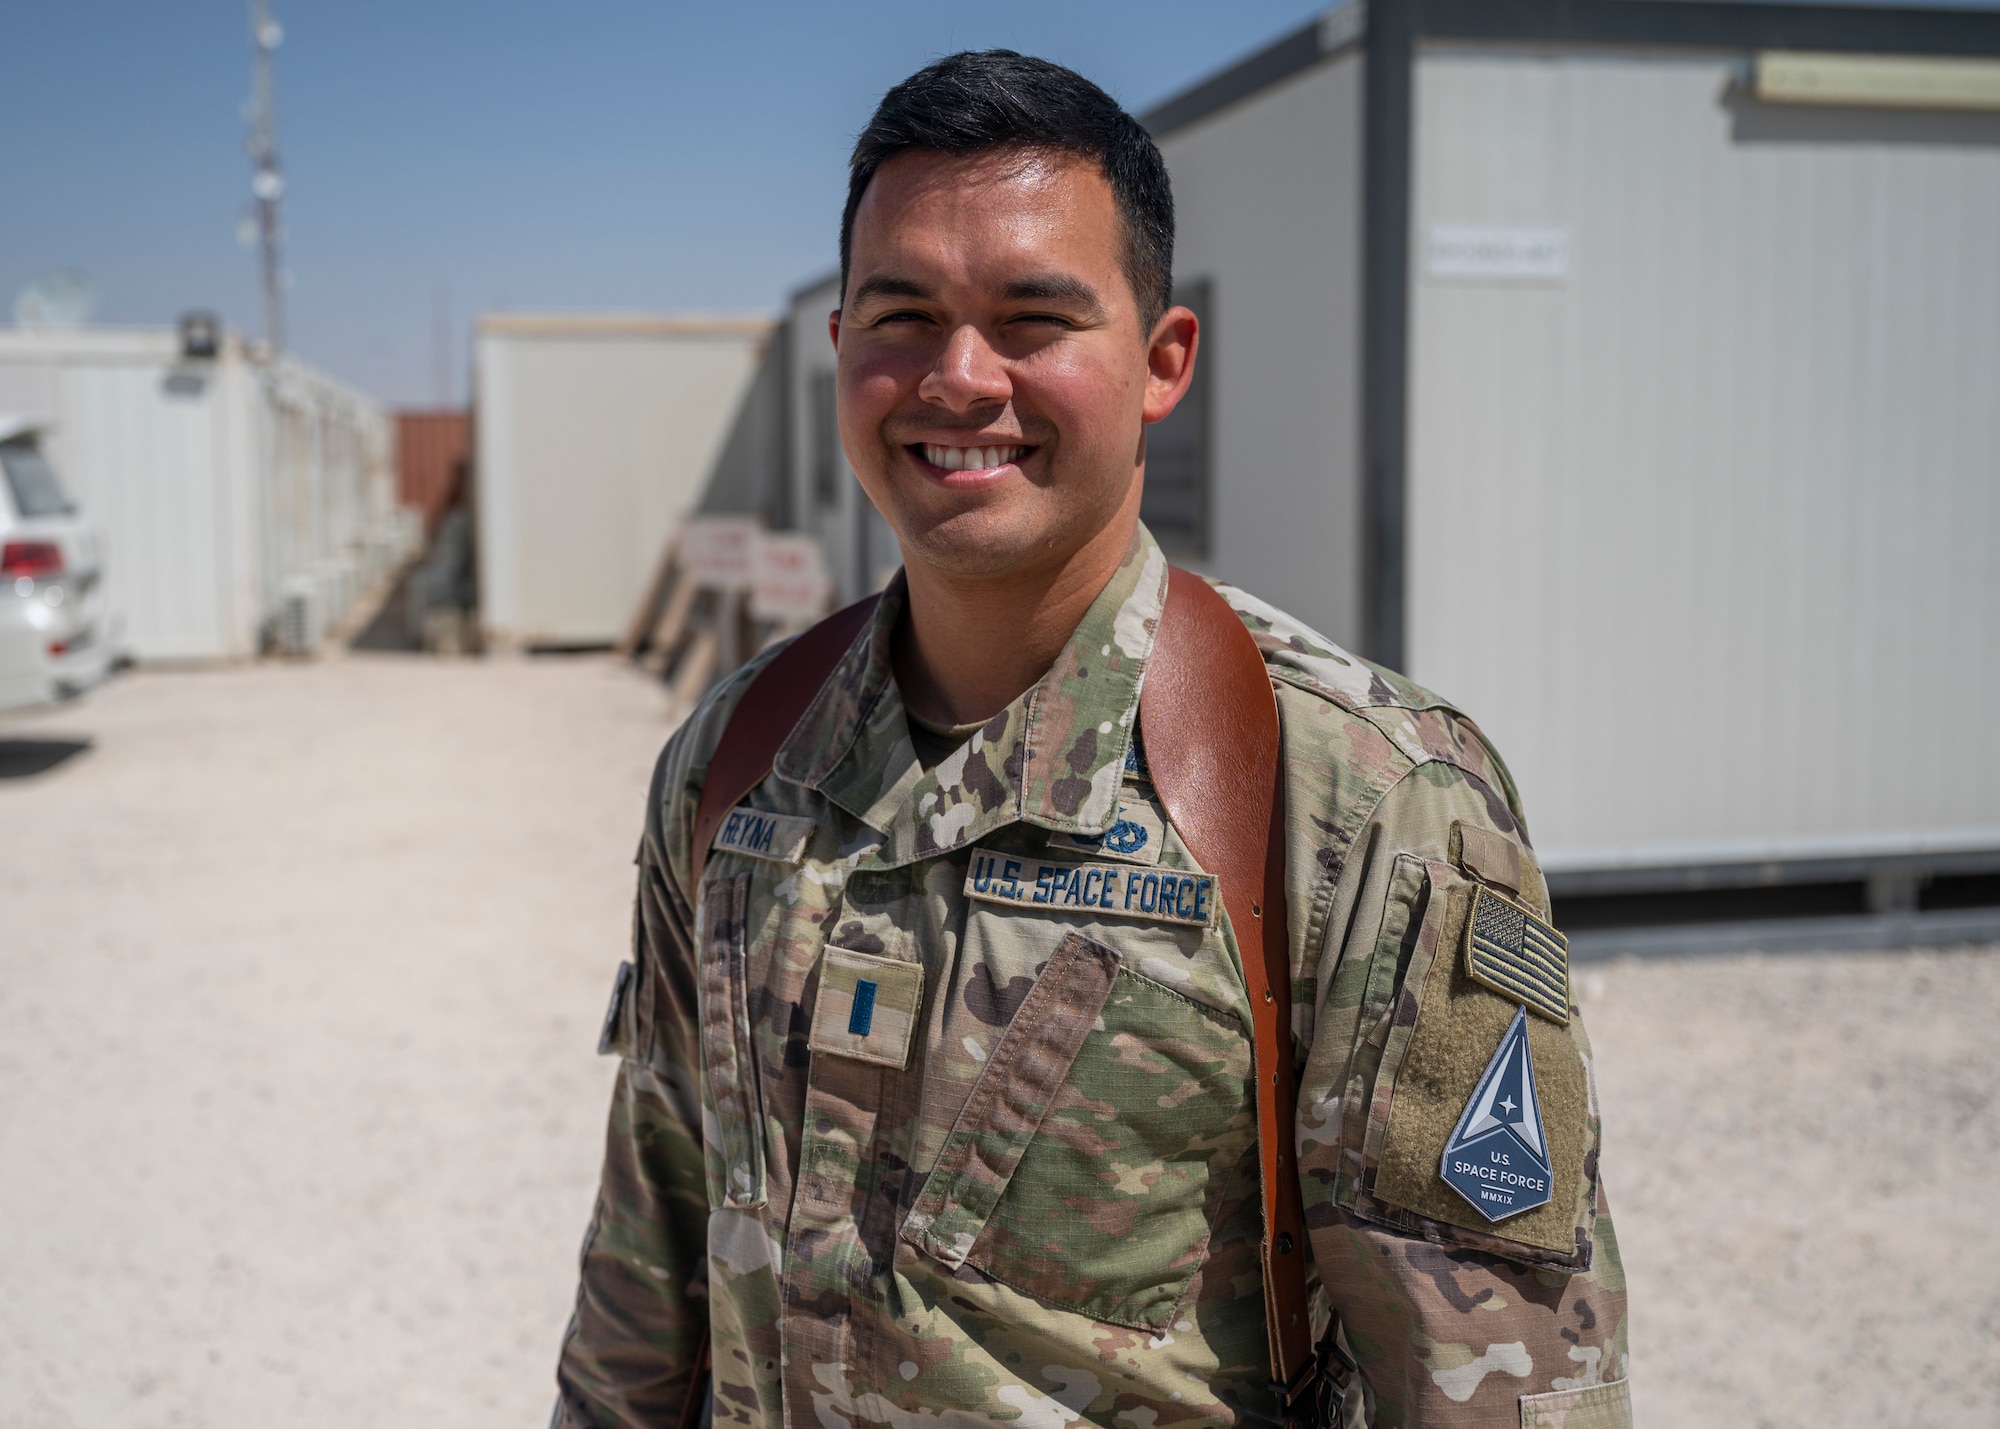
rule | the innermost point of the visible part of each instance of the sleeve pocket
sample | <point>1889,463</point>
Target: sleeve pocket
<point>617,1035</point>
<point>1597,1406</point>
<point>735,1140</point>
<point>1442,1030</point>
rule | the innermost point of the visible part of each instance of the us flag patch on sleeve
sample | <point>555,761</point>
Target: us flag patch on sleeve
<point>1512,952</point>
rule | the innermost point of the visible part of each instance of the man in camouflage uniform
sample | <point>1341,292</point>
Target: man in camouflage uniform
<point>935,1099</point>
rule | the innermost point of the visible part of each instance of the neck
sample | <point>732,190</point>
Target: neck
<point>967,647</point>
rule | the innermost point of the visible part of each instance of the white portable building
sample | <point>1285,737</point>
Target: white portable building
<point>594,435</point>
<point>1626,372</point>
<point>244,503</point>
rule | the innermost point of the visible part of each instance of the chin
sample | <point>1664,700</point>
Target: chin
<point>973,544</point>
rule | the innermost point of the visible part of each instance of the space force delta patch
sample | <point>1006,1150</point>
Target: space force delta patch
<point>1498,1158</point>
<point>1123,890</point>
<point>781,838</point>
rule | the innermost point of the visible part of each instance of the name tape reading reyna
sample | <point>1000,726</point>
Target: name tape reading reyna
<point>779,837</point>
<point>1161,895</point>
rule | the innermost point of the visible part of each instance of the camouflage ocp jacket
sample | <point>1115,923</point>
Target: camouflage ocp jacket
<point>935,1096</point>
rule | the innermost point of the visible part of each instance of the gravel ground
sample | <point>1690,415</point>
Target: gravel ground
<point>1803,1153</point>
<point>300,975</point>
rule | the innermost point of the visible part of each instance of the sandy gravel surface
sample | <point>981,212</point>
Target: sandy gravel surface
<point>300,975</point>
<point>299,996</point>
<point>1803,1154</point>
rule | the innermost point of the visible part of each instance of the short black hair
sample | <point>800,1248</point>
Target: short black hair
<point>980,100</point>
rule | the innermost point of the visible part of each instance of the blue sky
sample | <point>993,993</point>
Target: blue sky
<point>594,154</point>
<point>587,155</point>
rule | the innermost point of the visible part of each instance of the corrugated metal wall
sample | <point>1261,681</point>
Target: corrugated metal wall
<point>331,492</point>
<point>1705,534</point>
<point>1268,198</point>
<point>595,436</point>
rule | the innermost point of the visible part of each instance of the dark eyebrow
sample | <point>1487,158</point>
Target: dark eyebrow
<point>891,288</point>
<point>1054,288</point>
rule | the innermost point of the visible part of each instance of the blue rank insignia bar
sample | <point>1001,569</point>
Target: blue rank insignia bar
<point>1498,1158</point>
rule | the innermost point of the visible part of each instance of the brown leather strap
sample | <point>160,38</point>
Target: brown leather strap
<point>1210,724</point>
<point>764,717</point>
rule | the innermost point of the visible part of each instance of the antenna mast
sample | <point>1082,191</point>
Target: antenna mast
<point>267,184</point>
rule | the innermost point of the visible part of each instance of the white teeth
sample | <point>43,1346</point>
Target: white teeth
<point>970,458</point>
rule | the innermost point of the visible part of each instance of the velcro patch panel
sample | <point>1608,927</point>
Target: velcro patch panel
<point>1154,895</point>
<point>782,838</point>
<point>1512,952</point>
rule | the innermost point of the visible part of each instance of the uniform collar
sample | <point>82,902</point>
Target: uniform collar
<point>1054,757</point>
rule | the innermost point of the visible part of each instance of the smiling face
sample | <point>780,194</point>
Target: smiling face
<point>995,380</point>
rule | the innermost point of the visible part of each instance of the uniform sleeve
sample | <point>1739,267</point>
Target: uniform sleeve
<point>642,1308</point>
<point>1450,1324</point>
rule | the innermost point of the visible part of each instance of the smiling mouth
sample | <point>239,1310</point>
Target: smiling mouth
<point>988,458</point>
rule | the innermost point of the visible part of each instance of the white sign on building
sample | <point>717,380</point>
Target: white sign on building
<point>1536,255</point>
<point>789,581</point>
<point>720,551</point>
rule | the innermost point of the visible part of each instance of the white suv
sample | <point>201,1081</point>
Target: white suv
<point>55,639</point>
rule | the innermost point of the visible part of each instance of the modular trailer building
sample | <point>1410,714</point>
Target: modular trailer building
<point>245,504</point>
<point>1626,372</point>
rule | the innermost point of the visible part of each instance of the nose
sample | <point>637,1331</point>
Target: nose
<point>968,373</point>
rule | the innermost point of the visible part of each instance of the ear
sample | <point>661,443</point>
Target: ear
<point>833,328</point>
<point>1170,353</point>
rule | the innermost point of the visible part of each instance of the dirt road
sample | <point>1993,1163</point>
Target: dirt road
<point>300,976</point>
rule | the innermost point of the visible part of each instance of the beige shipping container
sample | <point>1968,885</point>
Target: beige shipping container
<point>594,437</point>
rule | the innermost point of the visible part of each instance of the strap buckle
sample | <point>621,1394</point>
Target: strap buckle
<point>1312,1398</point>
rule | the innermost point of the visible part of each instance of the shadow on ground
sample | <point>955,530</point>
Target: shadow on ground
<point>25,758</point>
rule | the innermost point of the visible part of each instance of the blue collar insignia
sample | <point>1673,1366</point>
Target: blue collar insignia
<point>1498,1158</point>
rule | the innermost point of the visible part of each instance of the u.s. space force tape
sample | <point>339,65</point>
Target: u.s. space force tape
<point>1123,890</point>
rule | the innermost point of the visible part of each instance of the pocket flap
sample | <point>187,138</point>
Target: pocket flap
<point>728,1057</point>
<point>1596,1406</point>
<point>1010,1099</point>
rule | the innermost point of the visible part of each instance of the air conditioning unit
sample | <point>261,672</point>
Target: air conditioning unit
<point>301,617</point>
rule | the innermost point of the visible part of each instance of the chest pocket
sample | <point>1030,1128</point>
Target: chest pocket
<point>1098,1145</point>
